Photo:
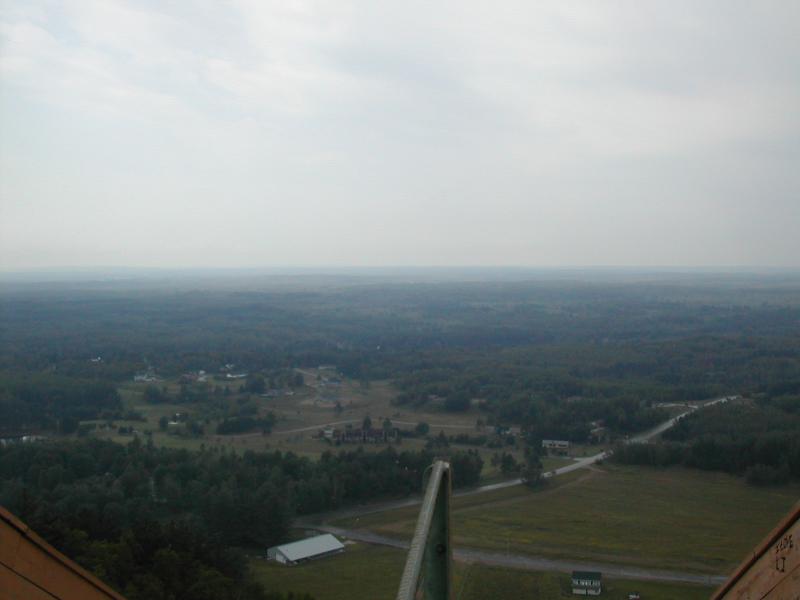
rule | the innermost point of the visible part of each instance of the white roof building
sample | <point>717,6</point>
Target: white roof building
<point>307,549</point>
<point>562,444</point>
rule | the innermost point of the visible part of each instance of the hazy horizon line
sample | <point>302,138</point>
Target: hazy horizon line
<point>78,269</point>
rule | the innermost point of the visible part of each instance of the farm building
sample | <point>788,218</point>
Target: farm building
<point>587,583</point>
<point>307,549</point>
<point>556,446</point>
<point>364,436</point>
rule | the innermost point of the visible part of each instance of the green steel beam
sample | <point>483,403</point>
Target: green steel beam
<point>428,572</point>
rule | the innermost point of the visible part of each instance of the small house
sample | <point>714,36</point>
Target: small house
<point>587,583</point>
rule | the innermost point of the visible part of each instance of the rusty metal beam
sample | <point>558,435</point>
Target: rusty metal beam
<point>31,569</point>
<point>772,570</point>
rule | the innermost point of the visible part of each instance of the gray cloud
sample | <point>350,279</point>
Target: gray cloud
<point>256,133</point>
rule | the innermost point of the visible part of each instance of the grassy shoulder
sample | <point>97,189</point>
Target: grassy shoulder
<point>394,523</point>
<point>361,571</point>
<point>479,582</point>
<point>365,571</point>
<point>674,518</point>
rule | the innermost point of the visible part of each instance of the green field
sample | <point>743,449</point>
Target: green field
<point>362,571</point>
<point>478,582</point>
<point>300,416</point>
<point>674,519</point>
<point>373,572</point>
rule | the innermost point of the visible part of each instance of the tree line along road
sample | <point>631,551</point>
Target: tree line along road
<point>532,563</point>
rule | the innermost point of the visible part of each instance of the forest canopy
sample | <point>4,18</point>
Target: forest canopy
<point>554,355</point>
<point>136,514</point>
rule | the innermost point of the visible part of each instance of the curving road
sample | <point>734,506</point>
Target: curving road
<point>581,463</point>
<point>590,460</point>
<point>534,563</point>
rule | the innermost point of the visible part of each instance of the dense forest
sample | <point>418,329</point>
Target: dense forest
<point>556,357</point>
<point>553,355</point>
<point>136,514</point>
<point>759,440</point>
<point>44,401</point>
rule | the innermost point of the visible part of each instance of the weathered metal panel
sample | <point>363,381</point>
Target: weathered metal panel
<point>31,569</point>
<point>772,572</point>
<point>428,571</point>
<point>17,588</point>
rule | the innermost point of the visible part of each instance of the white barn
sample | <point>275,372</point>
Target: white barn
<point>307,549</point>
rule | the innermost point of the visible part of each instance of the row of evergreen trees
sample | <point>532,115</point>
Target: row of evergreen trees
<point>757,440</point>
<point>148,519</point>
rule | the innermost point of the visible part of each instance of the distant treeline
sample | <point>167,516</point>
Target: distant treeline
<point>554,356</point>
<point>158,523</point>
<point>43,401</point>
<point>758,440</point>
<point>245,424</point>
<point>366,329</point>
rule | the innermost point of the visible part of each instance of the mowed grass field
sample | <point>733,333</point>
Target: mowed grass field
<point>373,572</point>
<point>676,518</point>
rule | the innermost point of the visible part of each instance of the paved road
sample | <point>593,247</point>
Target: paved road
<point>581,463</point>
<point>515,560</point>
<point>315,427</point>
<point>534,563</point>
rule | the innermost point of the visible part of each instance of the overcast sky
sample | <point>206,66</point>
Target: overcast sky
<point>256,133</point>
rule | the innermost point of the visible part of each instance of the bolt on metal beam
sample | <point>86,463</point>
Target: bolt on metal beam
<point>428,571</point>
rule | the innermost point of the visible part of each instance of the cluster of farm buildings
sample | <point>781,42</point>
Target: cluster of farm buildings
<point>361,436</point>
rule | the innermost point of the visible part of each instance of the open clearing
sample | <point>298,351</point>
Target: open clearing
<point>302,414</point>
<point>373,572</point>
<point>674,518</point>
